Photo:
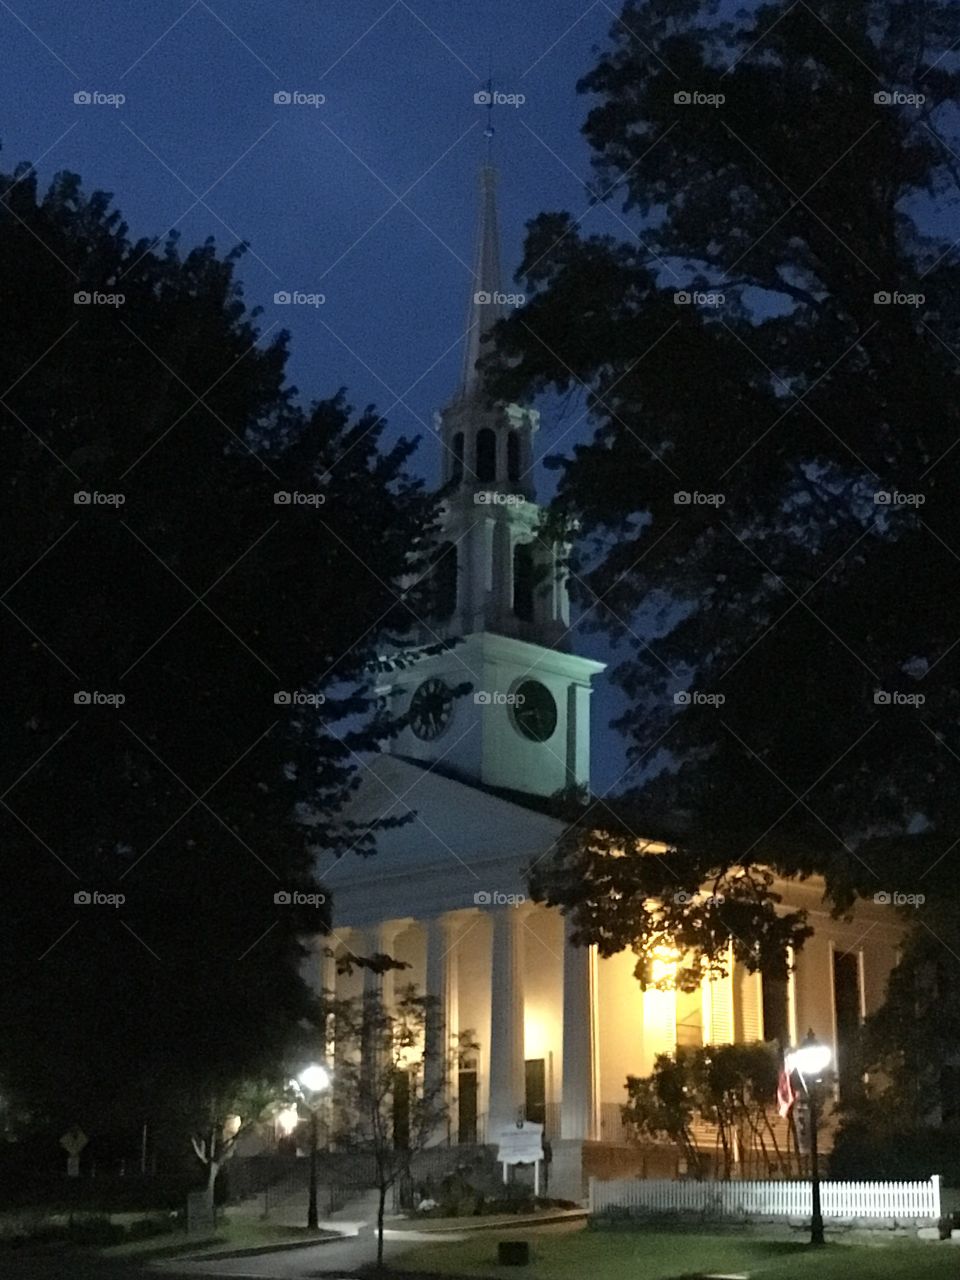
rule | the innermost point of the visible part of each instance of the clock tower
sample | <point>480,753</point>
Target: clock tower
<point>525,723</point>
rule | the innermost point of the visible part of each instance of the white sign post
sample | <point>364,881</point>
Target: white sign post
<point>522,1145</point>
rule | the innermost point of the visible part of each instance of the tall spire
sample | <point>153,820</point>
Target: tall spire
<point>483,311</point>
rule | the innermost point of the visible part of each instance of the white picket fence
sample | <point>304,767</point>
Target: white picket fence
<point>899,1201</point>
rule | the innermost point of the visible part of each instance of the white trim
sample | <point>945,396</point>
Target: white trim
<point>861,979</point>
<point>832,988</point>
<point>536,656</point>
<point>792,996</point>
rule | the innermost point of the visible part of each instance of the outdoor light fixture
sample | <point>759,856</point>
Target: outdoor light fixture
<point>314,1078</point>
<point>312,1081</point>
<point>810,1059</point>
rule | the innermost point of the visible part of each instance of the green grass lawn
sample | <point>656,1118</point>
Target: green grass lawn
<point>577,1254</point>
<point>236,1233</point>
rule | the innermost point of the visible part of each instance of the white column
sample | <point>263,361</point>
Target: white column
<point>378,989</point>
<point>327,963</point>
<point>385,938</point>
<point>507,1075</point>
<point>443,1018</point>
<point>363,943</point>
<point>526,456</point>
<point>578,1102</point>
<point>314,969</point>
<point>480,550</point>
<point>503,577</point>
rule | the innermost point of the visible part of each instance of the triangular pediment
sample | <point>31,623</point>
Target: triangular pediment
<point>459,841</point>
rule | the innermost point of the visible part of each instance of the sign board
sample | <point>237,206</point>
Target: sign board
<point>73,1166</point>
<point>74,1140</point>
<point>200,1216</point>
<point>521,1145</point>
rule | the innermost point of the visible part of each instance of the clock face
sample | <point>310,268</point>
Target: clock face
<point>535,712</point>
<point>430,709</point>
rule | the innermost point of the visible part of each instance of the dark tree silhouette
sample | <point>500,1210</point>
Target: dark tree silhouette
<point>768,502</point>
<point>196,573</point>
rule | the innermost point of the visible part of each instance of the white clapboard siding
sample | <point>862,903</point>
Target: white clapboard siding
<point>899,1201</point>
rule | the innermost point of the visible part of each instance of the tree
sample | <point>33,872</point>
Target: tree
<point>732,1088</point>
<point>390,1085</point>
<point>660,1106</point>
<point>197,576</point>
<point>222,1121</point>
<point>766,505</point>
<point>903,1116</point>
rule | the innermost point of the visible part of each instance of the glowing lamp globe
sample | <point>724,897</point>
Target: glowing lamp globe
<point>811,1058</point>
<point>314,1078</point>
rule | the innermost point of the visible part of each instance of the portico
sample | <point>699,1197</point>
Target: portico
<point>526,1019</point>
<point>502,1031</point>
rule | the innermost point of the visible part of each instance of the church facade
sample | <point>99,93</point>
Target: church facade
<point>493,723</point>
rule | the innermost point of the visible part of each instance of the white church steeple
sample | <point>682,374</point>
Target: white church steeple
<point>502,591</point>
<point>507,576</point>
<point>484,308</point>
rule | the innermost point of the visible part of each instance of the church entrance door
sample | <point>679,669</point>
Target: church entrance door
<point>536,1096</point>
<point>467,1107</point>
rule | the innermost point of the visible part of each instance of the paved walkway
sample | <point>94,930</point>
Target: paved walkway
<point>335,1257</point>
<point>291,1211</point>
<point>356,1223</point>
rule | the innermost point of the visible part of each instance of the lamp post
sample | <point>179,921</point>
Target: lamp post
<point>810,1061</point>
<point>312,1081</point>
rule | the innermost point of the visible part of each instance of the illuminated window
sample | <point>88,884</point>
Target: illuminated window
<point>662,964</point>
<point>689,1019</point>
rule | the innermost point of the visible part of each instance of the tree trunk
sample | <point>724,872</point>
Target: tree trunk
<point>380,1211</point>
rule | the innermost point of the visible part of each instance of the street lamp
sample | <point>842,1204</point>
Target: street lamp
<point>810,1061</point>
<point>311,1082</point>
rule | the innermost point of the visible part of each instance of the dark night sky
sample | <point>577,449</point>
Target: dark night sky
<point>368,199</point>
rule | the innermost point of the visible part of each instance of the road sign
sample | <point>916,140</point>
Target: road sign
<point>73,1166</point>
<point>74,1140</point>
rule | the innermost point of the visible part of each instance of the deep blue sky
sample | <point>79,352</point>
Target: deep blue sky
<point>310,188</point>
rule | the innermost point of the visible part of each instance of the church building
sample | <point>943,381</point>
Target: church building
<point>557,1029</point>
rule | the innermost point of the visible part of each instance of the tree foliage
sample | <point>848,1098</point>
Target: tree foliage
<point>907,1064</point>
<point>178,532</point>
<point>769,529</point>
<point>732,1088</point>
<point>390,1084</point>
<point>221,1121</point>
